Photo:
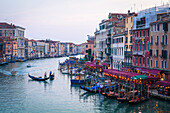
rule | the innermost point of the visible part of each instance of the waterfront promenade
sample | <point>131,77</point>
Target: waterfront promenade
<point>20,94</point>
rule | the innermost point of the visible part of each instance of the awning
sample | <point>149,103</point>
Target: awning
<point>138,77</point>
<point>150,71</point>
<point>163,83</point>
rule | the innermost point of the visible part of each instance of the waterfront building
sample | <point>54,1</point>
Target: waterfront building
<point>61,49</point>
<point>82,48</point>
<point>31,49</point>
<point>7,36</point>
<point>20,35</point>
<point>160,45</point>
<point>40,45</point>
<point>52,49</point>
<point>115,25</point>
<point>56,48</point>
<point>117,46</point>
<point>46,49</point>
<point>89,49</point>
<point>96,45</point>
<point>7,48</point>
<point>14,50</point>
<point>128,39</point>
<point>141,34</point>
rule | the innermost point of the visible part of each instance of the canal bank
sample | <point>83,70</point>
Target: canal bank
<point>20,94</point>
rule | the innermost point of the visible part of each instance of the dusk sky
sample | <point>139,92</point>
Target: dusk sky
<point>65,20</point>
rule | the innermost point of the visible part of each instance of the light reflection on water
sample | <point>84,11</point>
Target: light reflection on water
<point>19,94</point>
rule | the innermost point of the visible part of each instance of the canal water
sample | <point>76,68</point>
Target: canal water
<point>19,94</point>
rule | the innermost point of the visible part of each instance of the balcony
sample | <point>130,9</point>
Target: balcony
<point>156,43</point>
<point>163,44</point>
<point>128,53</point>
<point>108,51</point>
<point>135,52</point>
<point>108,41</point>
<point>139,38</point>
<point>109,33</point>
<point>138,53</point>
<point>163,56</point>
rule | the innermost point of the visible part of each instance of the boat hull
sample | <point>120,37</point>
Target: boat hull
<point>38,79</point>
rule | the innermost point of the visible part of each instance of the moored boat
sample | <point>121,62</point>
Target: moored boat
<point>14,72</point>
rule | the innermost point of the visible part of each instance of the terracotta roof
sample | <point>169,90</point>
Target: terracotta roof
<point>6,25</point>
<point>163,20</point>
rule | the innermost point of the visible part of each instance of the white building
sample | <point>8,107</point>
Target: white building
<point>40,49</point>
<point>20,35</point>
<point>117,46</point>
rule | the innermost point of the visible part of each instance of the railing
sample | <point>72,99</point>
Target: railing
<point>138,53</point>
<point>128,53</point>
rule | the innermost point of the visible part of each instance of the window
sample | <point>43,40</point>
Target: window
<point>137,34</point>
<point>164,54</point>
<point>113,41</point>
<point>156,63</point>
<point>131,39</point>
<point>143,60</point>
<point>151,63</point>
<point>86,51</point>
<point>157,27</point>
<point>151,40</point>
<point>150,52</point>
<point>126,40</point>
<point>165,64</point>
<point>148,33</point>
<point>147,61</point>
<point>133,60</point>
<point>131,19</point>
<point>136,46</point>
<point>86,46</point>
<point>136,60</point>
<point>147,46</point>
<point>140,33</point>
<point>161,64</point>
<point>140,46</point>
<point>133,46</point>
<point>127,20</point>
<point>144,33</point>
<point>166,38</point>
<point>143,47</point>
<point>140,60</point>
<point>157,52</point>
<point>165,26</point>
<point>162,39</point>
<point>157,40</point>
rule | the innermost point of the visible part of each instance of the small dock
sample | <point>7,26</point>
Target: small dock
<point>155,94</point>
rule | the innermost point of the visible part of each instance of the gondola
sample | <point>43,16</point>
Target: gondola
<point>38,78</point>
<point>136,101</point>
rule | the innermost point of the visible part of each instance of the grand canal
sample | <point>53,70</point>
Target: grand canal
<point>19,94</point>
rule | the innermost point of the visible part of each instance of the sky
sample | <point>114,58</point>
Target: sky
<point>66,20</point>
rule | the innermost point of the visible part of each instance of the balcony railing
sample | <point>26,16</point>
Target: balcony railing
<point>163,56</point>
<point>128,53</point>
<point>139,38</point>
<point>135,52</point>
<point>108,33</point>
<point>108,41</point>
<point>156,43</point>
<point>138,53</point>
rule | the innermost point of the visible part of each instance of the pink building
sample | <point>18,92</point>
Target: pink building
<point>89,48</point>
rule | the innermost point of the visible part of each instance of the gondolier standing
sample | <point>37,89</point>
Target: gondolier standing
<point>45,75</point>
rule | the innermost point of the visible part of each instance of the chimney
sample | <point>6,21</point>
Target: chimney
<point>128,11</point>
